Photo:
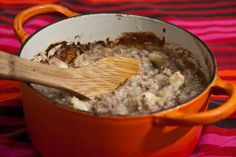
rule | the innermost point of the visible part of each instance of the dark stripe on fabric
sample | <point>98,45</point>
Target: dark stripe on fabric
<point>20,137</point>
<point>211,32</point>
<point>147,13</point>
<point>216,103</point>
<point>20,7</point>
<point>11,121</point>
<point>213,105</point>
<point>226,58</point>
<point>13,11</point>
<point>227,47</point>
<point>232,63</point>
<point>223,45</point>
<point>30,26</point>
<point>10,128</point>
<point>223,54</point>
<point>184,14</point>
<point>226,123</point>
<point>10,103</point>
<point>202,9</point>
<point>156,15</point>
<point>8,15</point>
<point>8,23</point>
<point>12,111</point>
<point>157,3</point>
<point>151,11</point>
<point>139,5</point>
<point>49,19</point>
<point>52,15</point>
<point>6,19</point>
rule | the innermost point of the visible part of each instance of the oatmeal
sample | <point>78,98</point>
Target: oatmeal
<point>168,76</point>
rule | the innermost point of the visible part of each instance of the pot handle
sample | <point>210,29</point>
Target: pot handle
<point>25,15</point>
<point>205,117</point>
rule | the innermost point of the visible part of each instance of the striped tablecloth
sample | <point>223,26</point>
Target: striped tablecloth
<point>212,21</point>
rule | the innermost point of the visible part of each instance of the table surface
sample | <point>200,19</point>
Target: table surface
<point>212,21</point>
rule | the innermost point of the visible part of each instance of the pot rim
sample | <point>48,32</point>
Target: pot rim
<point>76,111</point>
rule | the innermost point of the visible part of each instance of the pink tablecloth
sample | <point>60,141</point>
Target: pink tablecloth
<point>212,21</point>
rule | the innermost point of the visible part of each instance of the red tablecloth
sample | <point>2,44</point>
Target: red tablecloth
<point>212,21</point>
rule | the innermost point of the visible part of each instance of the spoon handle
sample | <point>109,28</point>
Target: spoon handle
<point>16,68</point>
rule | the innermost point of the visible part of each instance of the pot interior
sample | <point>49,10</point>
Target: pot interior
<point>94,27</point>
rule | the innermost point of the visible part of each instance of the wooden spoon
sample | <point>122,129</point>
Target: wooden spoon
<point>98,78</point>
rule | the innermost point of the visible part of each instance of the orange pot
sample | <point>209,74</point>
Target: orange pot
<point>58,131</point>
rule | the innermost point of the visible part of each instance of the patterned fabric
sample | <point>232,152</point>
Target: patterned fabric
<point>212,21</point>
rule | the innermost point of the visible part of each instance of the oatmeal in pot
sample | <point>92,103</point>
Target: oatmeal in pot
<point>168,76</point>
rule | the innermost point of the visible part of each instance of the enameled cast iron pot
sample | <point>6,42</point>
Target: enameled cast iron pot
<point>57,131</point>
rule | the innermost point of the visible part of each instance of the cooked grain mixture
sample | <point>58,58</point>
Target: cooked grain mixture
<point>168,77</point>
